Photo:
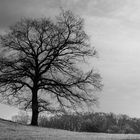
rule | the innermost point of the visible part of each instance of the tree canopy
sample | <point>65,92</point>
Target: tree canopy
<point>40,65</point>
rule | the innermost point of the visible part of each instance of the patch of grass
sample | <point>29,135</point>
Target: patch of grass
<point>15,131</point>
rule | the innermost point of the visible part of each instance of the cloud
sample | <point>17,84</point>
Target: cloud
<point>94,7</point>
<point>117,39</point>
<point>11,10</point>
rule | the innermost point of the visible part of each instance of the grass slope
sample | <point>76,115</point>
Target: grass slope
<point>14,131</point>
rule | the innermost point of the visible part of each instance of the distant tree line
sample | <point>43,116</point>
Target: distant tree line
<point>93,122</point>
<point>22,117</point>
<point>86,122</point>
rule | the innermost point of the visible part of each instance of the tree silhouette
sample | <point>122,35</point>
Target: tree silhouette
<point>39,65</point>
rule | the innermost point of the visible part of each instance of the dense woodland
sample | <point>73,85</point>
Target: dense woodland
<point>87,122</point>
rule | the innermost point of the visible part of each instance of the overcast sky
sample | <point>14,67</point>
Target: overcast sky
<point>114,30</point>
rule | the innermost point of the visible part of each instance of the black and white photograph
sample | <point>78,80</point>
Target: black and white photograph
<point>69,69</point>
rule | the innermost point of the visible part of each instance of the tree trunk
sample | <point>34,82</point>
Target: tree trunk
<point>35,113</point>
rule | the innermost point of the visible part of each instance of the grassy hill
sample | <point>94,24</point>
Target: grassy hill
<point>14,131</point>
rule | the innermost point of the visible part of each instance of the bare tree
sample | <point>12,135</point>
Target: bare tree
<point>39,65</point>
